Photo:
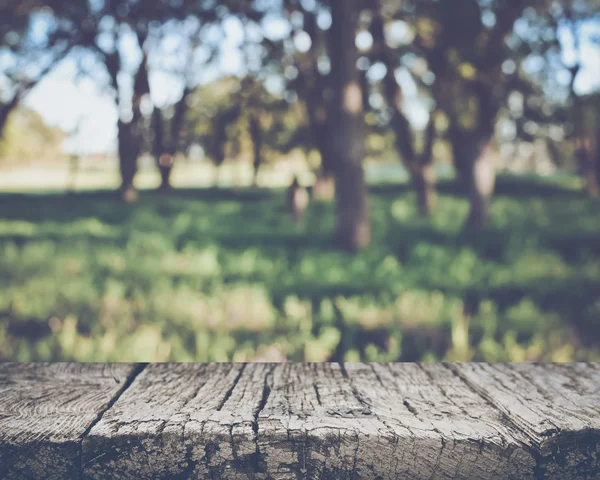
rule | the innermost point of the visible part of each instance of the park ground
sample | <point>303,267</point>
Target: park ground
<point>218,274</point>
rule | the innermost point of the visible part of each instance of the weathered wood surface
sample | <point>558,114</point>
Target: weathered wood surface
<point>314,421</point>
<point>46,409</point>
<point>557,408</point>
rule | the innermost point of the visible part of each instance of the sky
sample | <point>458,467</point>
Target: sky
<point>78,106</point>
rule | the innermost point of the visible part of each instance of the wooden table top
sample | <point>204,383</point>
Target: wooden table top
<point>293,421</point>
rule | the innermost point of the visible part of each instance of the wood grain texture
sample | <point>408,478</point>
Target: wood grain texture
<point>404,421</point>
<point>352,421</point>
<point>180,421</point>
<point>557,406</point>
<point>45,410</point>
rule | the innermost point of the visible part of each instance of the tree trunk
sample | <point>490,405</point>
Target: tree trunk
<point>257,141</point>
<point>167,160</point>
<point>131,134</point>
<point>597,159</point>
<point>346,130</point>
<point>589,164</point>
<point>587,144</point>
<point>165,173</point>
<point>127,161</point>
<point>475,151</point>
<point>127,190</point>
<point>423,179</point>
<point>312,85</point>
<point>164,160</point>
<point>5,111</point>
<point>420,167</point>
<point>324,186</point>
<point>130,142</point>
<point>462,167</point>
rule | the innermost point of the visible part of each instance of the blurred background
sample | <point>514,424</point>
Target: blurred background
<point>299,179</point>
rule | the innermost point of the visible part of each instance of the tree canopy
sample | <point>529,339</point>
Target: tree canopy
<point>475,74</point>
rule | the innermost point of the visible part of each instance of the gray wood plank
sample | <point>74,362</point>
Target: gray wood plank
<point>403,421</point>
<point>180,421</point>
<point>45,409</point>
<point>557,406</point>
<point>290,421</point>
<point>330,421</point>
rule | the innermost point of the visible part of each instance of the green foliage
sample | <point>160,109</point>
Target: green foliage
<point>28,138</point>
<point>221,275</point>
<point>218,120</point>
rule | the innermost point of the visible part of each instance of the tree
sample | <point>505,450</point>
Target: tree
<point>204,14</point>
<point>243,111</point>
<point>29,139</point>
<point>165,149</point>
<point>168,122</point>
<point>103,28</point>
<point>313,86</point>
<point>100,29</point>
<point>543,103</point>
<point>470,85</point>
<point>419,165</point>
<point>587,141</point>
<point>130,132</point>
<point>208,121</point>
<point>585,126</point>
<point>261,116</point>
<point>253,109</point>
<point>28,58</point>
<point>346,129</point>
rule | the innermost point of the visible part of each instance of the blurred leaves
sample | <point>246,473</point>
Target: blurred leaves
<point>28,138</point>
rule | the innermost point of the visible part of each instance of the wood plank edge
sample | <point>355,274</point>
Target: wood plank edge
<point>136,370</point>
<point>576,452</point>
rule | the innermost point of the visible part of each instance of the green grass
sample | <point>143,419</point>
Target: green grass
<point>217,275</point>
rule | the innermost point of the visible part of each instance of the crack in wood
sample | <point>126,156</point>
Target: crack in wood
<point>138,368</point>
<point>318,394</point>
<point>230,390</point>
<point>355,391</point>
<point>411,409</point>
<point>475,389</point>
<point>263,401</point>
<point>257,460</point>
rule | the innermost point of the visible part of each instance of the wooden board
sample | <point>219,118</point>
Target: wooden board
<point>331,421</point>
<point>300,421</point>
<point>180,421</point>
<point>404,421</point>
<point>45,410</point>
<point>557,406</point>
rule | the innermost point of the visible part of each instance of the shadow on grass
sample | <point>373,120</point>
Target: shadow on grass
<point>253,219</point>
<point>507,185</point>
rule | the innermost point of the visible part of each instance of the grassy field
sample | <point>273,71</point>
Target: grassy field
<point>218,274</point>
<point>97,175</point>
